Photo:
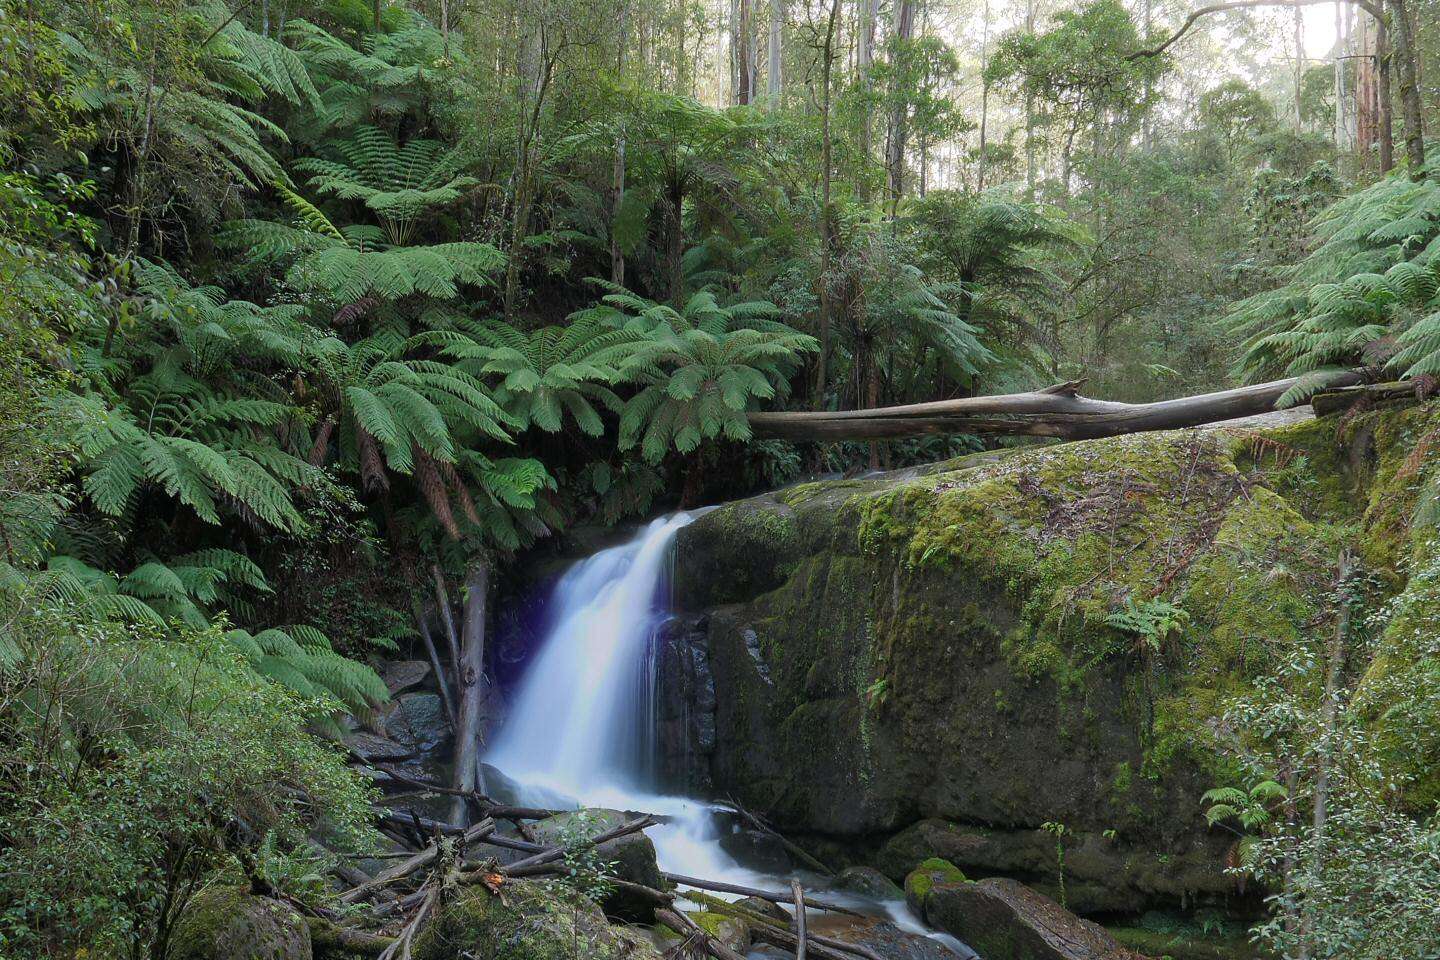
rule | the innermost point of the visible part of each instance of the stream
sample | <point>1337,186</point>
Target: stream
<point>581,730</point>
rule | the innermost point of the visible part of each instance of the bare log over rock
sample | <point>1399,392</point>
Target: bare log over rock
<point>1056,411</point>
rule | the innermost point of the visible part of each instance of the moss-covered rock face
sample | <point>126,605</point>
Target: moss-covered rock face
<point>527,921</point>
<point>230,923</point>
<point>1015,661</point>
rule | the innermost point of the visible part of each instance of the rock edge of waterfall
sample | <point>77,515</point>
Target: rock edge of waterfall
<point>928,663</point>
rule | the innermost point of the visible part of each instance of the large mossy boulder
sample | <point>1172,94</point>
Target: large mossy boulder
<point>527,920</point>
<point>231,923</point>
<point>1001,919</point>
<point>631,857</point>
<point>1016,661</point>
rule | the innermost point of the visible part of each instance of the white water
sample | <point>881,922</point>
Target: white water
<point>579,733</point>
<point>580,730</point>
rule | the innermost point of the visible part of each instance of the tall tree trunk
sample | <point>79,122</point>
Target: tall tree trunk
<point>744,52</point>
<point>903,33</point>
<point>1147,119</point>
<point>1409,77</point>
<point>775,70</point>
<point>864,59</point>
<point>984,95</point>
<point>1384,98</point>
<point>1299,69</point>
<point>827,221</point>
<point>471,679</point>
<point>617,169</point>
<point>1030,115</point>
<point>1339,65</point>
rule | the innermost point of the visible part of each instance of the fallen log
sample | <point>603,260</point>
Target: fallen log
<point>681,924</point>
<point>1056,411</point>
<point>782,898</point>
<point>414,864</point>
<point>1335,401</point>
<point>774,931</point>
<point>794,849</point>
<point>537,863</point>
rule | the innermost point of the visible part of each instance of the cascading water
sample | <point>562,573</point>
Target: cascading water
<point>581,728</point>
<point>580,732</point>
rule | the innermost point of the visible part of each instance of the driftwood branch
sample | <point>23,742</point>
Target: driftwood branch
<point>799,896</point>
<point>783,898</point>
<point>413,865</point>
<point>774,932</point>
<point>794,849</point>
<point>536,863</point>
<point>1057,411</point>
<point>683,925</point>
<point>1336,401</point>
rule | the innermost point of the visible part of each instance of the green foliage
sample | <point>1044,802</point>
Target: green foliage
<point>1152,622</point>
<point>1366,295</point>
<point>133,766</point>
<point>702,367</point>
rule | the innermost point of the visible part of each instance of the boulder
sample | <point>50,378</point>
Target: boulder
<point>757,850</point>
<point>418,719</point>
<point>402,675</point>
<point>868,882</point>
<point>931,874</point>
<point>733,932</point>
<point>528,920</point>
<point>944,647</point>
<point>1002,919</point>
<point>630,857</point>
<point>231,923</point>
<point>373,747</point>
<point>887,940</point>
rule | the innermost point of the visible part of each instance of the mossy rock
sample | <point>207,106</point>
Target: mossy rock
<point>527,920</point>
<point>868,882</point>
<point>965,645</point>
<point>231,923</point>
<point>631,857</point>
<point>922,881</point>
<point>733,932</point>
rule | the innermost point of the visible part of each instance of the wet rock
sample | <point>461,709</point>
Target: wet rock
<point>925,878</point>
<point>402,675</point>
<point>378,749</point>
<point>868,882</point>
<point>631,857</point>
<point>1003,919</point>
<point>419,719</point>
<point>231,923</point>
<point>528,921</point>
<point>757,850</point>
<point>890,942</point>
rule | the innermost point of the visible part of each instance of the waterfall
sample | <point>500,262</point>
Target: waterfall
<point>583,721</point>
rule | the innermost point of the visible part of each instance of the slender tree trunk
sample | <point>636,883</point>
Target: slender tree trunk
<point>864,59</point>
<point>745,55</point>
<point>903,33</point>
<point>1030,115</point>
<point>775,70</point>
<point>617,170</point>
<point>1147,128</point>
<point>471,679</point>
<point>1299,68</point>
<point>1409,77</point>
<point>441,679</point>
<point>1384,98</point>
<point>827,221</point>
<point>1339,64</point>
<point>985,95</point>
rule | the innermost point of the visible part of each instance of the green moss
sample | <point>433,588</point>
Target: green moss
<point>531,921</point>
<point>230,923</point>
<point>930,873</point>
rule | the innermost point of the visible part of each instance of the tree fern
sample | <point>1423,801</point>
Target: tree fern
<point>1367,295</point>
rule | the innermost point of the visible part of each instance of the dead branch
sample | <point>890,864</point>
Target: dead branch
<point>535,864</point>
<point>681,924</point>
<point>782,898</point>
<point>414,864</point>
<point>794,849</point>
<point>799,897</point>
<point>1057,411</point>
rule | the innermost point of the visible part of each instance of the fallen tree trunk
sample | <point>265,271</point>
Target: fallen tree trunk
<point>782,898</point>
<point>1056,411</point>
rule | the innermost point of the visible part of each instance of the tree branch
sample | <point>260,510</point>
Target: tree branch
<point>1195,15</point>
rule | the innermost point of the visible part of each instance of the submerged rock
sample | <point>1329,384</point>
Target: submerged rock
<point>527,920</point>
<point>1005,920</point>
<point>231,923</point>
<point>757,850</point>
<point>888,941</point>
<point>630,857</point>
